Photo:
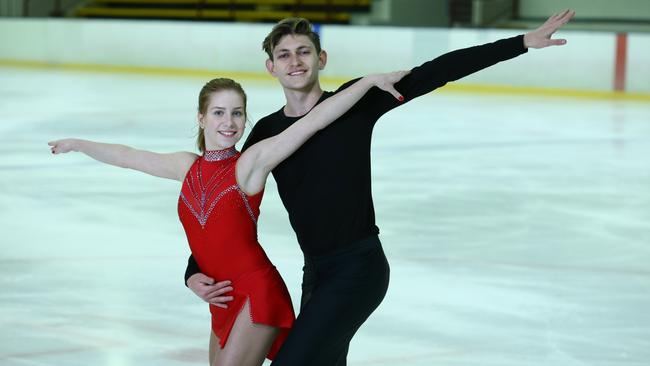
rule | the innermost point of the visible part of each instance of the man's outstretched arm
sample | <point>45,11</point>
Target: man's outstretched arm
<point>457,64</point>
<point>463,62</point>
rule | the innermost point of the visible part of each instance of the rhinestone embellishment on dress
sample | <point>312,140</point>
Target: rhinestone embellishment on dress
<point>202,198</point>
<point>217,155</point>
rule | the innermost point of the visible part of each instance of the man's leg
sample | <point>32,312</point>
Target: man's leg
<point>344,292</point>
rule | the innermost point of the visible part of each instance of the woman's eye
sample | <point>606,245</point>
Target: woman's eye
<point>237,113</point>
<point>218,113</point>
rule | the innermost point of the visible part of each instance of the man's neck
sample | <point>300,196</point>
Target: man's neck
<point>300,102</point>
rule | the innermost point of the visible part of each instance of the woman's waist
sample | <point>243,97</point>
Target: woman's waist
<point>222,264</point>
<point>240,277</point>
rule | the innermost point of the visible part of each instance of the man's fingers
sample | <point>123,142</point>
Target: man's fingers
<point>560,15</point>
<point>206,280</point>
<point>552,42</point>
<point>557,42</point>
<point>220,300</point>
<point>559,19</point>
<point>201,278</point>
<point>209,292</point>
<point>565,17</point>
<point>568,16</point>
<point>223,283</point>
<point>214,291</point>
<point>554,16</point>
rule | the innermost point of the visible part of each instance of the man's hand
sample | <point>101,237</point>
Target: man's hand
<point>205,288</point>
<point>541,37</point>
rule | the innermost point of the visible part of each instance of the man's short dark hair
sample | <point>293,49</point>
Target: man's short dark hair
<point>293,26</point>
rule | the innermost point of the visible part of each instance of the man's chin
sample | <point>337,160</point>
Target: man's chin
<point>296,85</point>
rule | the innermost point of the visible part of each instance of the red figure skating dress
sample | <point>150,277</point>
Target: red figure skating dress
<point>220,222</point>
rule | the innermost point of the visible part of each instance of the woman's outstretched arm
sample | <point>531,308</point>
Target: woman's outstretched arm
<point>256,162</point>
<point>171,166</point>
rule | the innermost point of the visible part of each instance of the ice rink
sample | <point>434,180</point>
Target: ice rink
<point>517,228</point>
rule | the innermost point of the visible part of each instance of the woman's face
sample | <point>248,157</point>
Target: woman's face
<point>224,120</point>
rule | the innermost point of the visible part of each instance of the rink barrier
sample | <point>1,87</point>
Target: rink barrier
<point>329,81</point>
<point>592,64</point>
<point>621,61</point>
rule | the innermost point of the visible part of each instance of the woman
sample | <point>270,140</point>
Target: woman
<point>219,206</point>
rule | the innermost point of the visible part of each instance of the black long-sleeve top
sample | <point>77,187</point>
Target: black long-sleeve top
<point>325,185</point>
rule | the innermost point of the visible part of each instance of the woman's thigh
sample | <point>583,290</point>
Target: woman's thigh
<point>215,348</point>
<point>248,343</point>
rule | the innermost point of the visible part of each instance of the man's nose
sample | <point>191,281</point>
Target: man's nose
<point>295,60</point>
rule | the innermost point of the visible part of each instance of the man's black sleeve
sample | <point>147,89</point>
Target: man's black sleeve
<point>436,73</point>
<point>192,268</point>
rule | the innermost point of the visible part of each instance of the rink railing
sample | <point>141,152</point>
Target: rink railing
<point>592,64</point>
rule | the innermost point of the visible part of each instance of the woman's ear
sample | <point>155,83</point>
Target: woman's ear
<point>199,118</point>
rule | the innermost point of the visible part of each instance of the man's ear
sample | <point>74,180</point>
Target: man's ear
<point>322,60</point>
<point>269,66</point>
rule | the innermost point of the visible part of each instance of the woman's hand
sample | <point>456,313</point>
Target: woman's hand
<point>63,146</point>
<point>387,80</point>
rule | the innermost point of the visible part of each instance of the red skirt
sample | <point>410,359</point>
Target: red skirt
<point>270,304</point>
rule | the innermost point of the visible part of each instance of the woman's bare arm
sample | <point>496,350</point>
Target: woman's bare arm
<point>171,165</point>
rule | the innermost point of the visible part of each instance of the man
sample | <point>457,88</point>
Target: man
<point>325,185</point>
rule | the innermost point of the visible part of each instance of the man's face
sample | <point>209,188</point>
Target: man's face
<point>295,62</point>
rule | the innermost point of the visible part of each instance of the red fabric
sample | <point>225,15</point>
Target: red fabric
<point>220,224</point>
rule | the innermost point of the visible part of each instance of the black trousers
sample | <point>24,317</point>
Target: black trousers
<point>339,292</point>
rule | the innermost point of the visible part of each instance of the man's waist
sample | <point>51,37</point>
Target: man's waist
<point>326,243</point>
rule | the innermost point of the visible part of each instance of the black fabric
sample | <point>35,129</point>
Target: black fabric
<point>339,292</point>
<point>325,185</point>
